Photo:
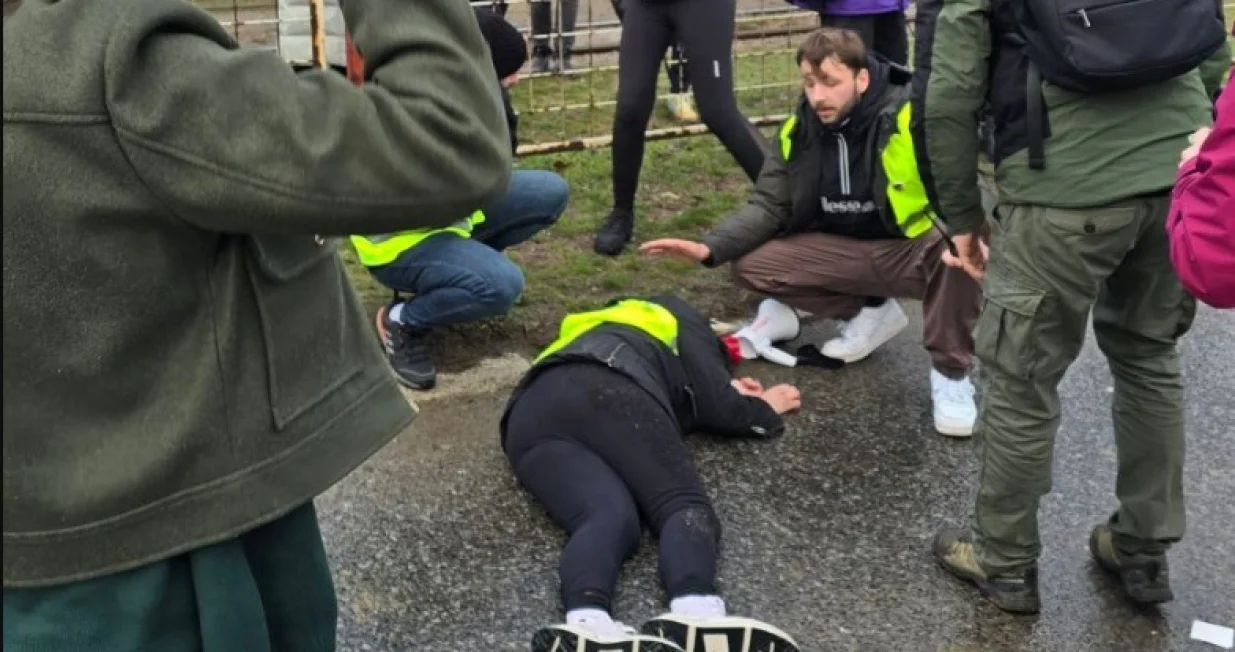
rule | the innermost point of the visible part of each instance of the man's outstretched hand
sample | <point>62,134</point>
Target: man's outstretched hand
<point>783,398</point>
<point>693,252</point>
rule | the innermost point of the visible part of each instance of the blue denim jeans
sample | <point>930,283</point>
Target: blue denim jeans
<point>455,280</point>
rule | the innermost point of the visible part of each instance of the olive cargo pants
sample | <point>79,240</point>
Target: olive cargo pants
<point>1048,268</point>
<point>269,590</point>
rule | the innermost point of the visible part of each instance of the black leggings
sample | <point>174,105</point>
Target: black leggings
<point>679,79</point>
<point>886,34</point>
<point>597,451</point>
<point>704,28</point>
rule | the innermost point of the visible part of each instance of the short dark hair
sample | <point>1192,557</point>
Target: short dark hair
<point>827,42</point>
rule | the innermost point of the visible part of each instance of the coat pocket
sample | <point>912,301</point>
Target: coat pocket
<point>1009,331</point>
<point>308,321</point>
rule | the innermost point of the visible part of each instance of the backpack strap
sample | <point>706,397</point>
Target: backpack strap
<point>1035,119</point>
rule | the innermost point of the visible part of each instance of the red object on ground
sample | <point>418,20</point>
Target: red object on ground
<point>733,348</point>
<point>355,62</point>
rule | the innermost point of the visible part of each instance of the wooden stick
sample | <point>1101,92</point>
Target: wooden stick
<point>317,23</point>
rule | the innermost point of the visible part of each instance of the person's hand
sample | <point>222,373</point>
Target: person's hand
<point>783,398</point>
<point>972,252</point>
<point>694,252</point>
<point>1196,140</point>
<point>748,386</point>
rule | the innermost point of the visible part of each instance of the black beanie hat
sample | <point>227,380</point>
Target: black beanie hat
<point>506,44</point>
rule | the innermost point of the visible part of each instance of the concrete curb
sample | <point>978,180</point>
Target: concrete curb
<point>488,376</point>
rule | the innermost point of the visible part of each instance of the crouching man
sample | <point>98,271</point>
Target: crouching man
<point>459,274</point>
<point>839,225</point>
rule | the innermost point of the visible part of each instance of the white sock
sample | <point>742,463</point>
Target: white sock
<point>589,618</point>
<point>698,606</point>
<point>396,311</point>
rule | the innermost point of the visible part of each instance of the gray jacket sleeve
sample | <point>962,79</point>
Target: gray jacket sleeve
<point>762,216</point>
<point>233,140</point>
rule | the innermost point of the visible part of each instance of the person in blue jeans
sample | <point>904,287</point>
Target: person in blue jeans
<point>460,274</point>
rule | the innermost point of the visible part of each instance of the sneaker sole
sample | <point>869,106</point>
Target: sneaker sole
<point>423,386</point>
<point>959,432</point>
<point>884,334</point>
<point>560,639</point>
<point>730,634</point>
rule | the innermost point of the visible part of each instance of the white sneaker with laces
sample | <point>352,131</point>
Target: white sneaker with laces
<point>598,637</point>
<point>953,405</point>
<point>870,329</point>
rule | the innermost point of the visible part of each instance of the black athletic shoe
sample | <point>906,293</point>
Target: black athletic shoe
<point>407,352</point>
<point>731,634</point>
<point>1145,578</point>
<point>615,233</point>
<point>568,638</point>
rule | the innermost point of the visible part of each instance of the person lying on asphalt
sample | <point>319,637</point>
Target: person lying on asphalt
<point>595,432</point>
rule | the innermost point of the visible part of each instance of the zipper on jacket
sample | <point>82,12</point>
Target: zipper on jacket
<point>614,354</point>
<point>842,160</point>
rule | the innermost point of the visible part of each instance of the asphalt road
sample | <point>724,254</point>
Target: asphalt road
<point>826,530</point>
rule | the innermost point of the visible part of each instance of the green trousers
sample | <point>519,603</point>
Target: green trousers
<point>269,590</point>
<point>1048,269</point>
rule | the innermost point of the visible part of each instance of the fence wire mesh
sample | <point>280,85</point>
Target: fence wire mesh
<point>568,108</point>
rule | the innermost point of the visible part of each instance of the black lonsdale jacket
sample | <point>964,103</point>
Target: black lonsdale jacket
<point>693,385</point>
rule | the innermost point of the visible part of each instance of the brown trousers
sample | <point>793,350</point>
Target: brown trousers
<point>832,276</point>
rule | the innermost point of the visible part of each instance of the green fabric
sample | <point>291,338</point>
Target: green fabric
<point>183,359</point>
<point>269,590</point>
<point>1101,149</point>
<point>1048,268</point>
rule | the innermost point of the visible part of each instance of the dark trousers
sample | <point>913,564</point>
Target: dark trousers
<point>704,29</point>
<point>886,34</point>
<point>832,277</point>
<point>598,452</point>
<point>268,590</point>
<point>675,64</point>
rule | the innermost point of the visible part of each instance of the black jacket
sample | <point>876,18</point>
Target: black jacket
<point>835,190</point>
<point>788,195</point>
<point>693,386</point>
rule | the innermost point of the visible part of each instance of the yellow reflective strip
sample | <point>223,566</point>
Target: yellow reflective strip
<point>786,136</point>
<point>651,318</point>
<point>906,192</point>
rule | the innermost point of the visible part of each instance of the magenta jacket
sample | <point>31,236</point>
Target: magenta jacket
<point>1201,225</point>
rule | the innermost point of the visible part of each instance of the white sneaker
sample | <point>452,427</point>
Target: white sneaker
<point>953,404</point>
<point>583,638</point>
<point>731,634</point>
<point>870,329</point>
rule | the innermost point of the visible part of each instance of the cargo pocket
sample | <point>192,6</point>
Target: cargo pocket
<point>304,305</point>
<point>1009,329</point>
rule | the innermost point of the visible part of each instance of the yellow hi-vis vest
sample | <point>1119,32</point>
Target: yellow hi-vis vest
<point>651,318</point>
<point>383,249</point>
<point>905,190</point>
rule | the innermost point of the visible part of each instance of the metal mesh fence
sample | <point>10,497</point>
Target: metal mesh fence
<point>571,107</point>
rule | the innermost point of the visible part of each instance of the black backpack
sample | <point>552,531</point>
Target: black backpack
<point>1099,46</point>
